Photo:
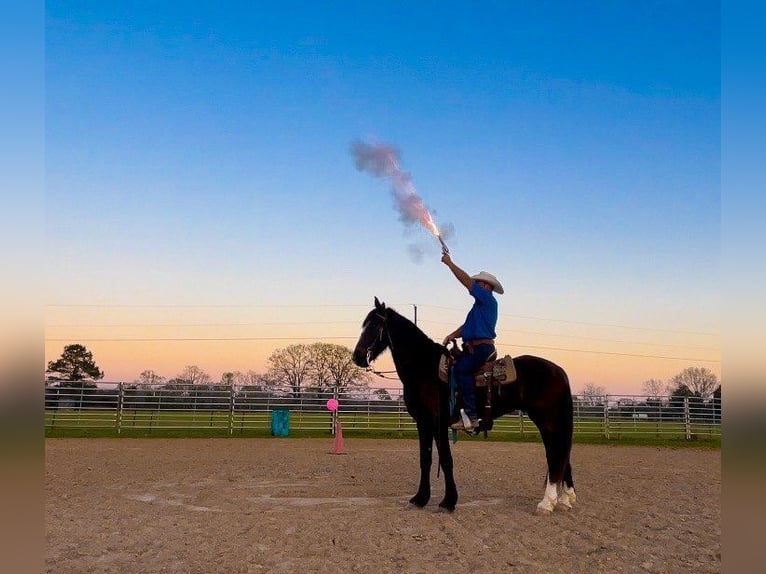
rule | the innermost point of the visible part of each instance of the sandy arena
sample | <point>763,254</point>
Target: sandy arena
<point>286,505</point>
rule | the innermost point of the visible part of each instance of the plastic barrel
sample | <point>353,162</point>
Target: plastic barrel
<point>280,422</point>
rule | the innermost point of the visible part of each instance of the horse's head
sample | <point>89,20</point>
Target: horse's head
<point>373,340</point>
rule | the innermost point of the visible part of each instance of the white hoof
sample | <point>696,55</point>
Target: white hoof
<point>546,506</point>
<point>564,502</point>
<point>570,494</point>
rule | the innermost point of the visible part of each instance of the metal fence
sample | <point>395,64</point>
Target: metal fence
<point>229,409</point>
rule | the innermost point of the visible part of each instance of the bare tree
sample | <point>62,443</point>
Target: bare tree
<point>149,379</point>
<point>654,388</point>
<point>332,366</point>
<point>320,365</point>
<point>193,375</point>
<point>593,394</point>
<point>227,378</point>
<point>252,380</point>
<point>699,380</point>
<point>321,359</point>
<point>290,366</point>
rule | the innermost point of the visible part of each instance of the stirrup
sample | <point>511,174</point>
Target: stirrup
<point>465,423</point>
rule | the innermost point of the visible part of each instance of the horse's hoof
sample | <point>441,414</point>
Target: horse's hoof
<point>445,508</point>
<point>565,501</point>
<point>545,507</point>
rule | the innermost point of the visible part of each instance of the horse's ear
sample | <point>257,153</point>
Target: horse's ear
<point>379,305</point>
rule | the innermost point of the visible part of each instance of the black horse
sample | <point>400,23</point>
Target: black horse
<point>541,390</point>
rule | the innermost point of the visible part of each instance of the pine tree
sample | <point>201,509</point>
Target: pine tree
<point>75,367</point>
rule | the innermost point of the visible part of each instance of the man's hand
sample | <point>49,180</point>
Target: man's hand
<point>446,259</point>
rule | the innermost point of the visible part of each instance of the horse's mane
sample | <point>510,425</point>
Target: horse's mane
<point>411,329</point>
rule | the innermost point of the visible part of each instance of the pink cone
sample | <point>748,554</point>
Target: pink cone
<point>337,442</point>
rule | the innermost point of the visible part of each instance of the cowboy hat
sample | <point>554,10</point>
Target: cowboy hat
<point>489,278</point>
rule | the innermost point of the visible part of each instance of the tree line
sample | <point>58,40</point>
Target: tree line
<point>692,382</point>
<point>319,367</point>
<point>296,369</point>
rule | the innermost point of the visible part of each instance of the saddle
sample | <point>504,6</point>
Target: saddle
<point>494,372</point>
<point>493,377</point>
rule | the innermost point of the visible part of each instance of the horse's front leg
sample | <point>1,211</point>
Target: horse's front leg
<point>425,440</point>
<point>445,461</point>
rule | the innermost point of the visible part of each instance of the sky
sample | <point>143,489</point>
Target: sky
<point>203,206</point>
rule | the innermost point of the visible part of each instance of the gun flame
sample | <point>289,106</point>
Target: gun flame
<point>382,161</point>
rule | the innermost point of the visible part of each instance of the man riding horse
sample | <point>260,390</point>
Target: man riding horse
<point>478,335</point>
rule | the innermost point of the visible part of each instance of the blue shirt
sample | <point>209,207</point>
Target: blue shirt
<point>482,318</point>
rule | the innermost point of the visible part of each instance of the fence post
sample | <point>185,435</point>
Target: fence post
<point>606,417</point>
<point>687,419</point>
<point>231,409</point>
<point>521,423</point>
<point>120,403</point>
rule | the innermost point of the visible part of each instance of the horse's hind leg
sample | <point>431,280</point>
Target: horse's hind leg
<point>557,457</point>
<point>568,496</point>
<point>550,498</point>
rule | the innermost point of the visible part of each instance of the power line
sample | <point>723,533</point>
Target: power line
<point>295,323</point>
<point>228,339</point>
<point>612,325</point>
<point>147,339</point>
<point>304,306</point>
<point>601,339</point>
<point>694,359</point>
<point>189,306</point>
<point>302,323</point>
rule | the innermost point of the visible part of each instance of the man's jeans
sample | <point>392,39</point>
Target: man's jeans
<point>465,368</point>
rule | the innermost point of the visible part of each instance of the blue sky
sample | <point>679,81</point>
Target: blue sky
<point>197,158</point>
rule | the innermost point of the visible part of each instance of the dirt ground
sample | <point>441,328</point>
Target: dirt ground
<point>287,505</point>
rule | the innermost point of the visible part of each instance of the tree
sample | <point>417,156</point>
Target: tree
<point>322,365</point>
<point>75,367</point>
<point>290,366</point>
<point>654,389</point>
<point>593,395</point>
<point>193,375</point>
<point>701,382</point>
<point>332,366</point>
<point>252,381</point>
<point>227,378</point>
<point>382,395</point>
<point>149,379</point>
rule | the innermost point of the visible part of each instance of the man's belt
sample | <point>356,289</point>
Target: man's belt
<point>470,345</point>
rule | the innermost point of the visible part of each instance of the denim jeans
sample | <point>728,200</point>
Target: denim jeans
<point>465,368</point>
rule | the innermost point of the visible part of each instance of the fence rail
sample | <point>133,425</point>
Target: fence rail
<point>232,410</point>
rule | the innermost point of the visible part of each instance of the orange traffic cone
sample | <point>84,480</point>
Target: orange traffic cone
<point>337,442</point>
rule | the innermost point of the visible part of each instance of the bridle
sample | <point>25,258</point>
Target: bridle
<point>382,328</point>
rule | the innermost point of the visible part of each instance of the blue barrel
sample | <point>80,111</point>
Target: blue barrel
<point>280,422</point>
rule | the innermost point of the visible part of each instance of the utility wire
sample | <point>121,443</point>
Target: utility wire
<point>234,306</point>
<point>224,339</point>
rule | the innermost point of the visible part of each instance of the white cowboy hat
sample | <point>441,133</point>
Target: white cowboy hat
<point>491,279</point>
